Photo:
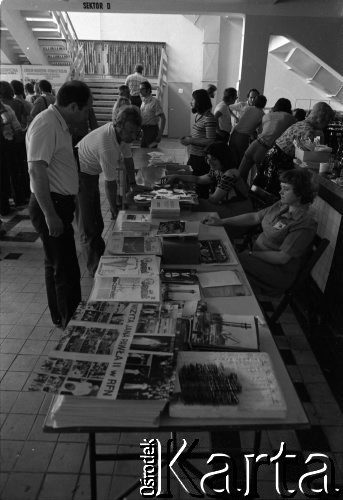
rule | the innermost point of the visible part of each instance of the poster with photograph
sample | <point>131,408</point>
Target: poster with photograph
<point>126,289</point>
<point>128,265</point>
<point>133,244</point>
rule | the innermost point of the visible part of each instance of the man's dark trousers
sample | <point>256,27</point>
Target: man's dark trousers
<point>62,272</point>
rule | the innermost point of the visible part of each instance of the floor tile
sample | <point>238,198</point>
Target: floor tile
<point>22,486</point>
<point>13,381</point>
<point>9,453</point>
<point>41,333</point>
<point>24,362</point>
<point>33,347</point>
<point>11,346</point>
<point>6,360</point>
<point>7,400</point>
<point>17,426</point>
<point>35,456</point>
<point>20,332</point>
<point>83,488</point>
<point>37,434</point>
<point>62,485</point>
<point>67,457</point>
<point>28,402</point>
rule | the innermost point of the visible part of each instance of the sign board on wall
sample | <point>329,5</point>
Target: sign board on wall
<point>9,72</point>
<point>56,75</point>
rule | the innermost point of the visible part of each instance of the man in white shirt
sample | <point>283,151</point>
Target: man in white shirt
<point>133,82</point>
<point>104,150</point>
<point>223,114</point>
<point>153,117</point>
<point>240,106</point>
<point>54,185</point>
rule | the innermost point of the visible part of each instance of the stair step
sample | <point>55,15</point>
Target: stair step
<point>47,34</point>
<point>56,42</point>
<point>36,13</point>
<point>104,117</point>
<point>103,104</point>
<point>43,24</point>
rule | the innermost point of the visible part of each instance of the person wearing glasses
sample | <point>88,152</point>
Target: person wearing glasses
<point>104,150</point>
<point>230,194</point>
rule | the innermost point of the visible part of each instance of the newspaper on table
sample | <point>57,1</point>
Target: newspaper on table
<point>114,351</point>
<point>133,243</point>
<point>126,289</point>
<point>128,265</point>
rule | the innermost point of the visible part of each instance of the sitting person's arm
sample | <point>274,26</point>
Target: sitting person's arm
<point>271,256</point>
<point>218,195</point>
<point>195,179</point>
<point>243,220</point>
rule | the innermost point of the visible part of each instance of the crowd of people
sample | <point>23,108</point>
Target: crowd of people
<point>53,152</point>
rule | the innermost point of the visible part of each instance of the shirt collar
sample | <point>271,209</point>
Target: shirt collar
<point>59,117</point>
<point>295,214</point>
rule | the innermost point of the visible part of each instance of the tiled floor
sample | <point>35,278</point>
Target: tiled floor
<point>40,466</point>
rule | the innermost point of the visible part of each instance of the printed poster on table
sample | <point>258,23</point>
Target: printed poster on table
<point>110,362</point>
<point>126,289</point>
<point>129,265</point>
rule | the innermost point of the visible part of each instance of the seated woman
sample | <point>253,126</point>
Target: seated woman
<point>229,192</point>
<point>288,230</point>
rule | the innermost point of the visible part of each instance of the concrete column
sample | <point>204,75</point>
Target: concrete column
<point>23,35</point>
<point>255,54</point>
<point>211,27</point>
<point>230,52</point>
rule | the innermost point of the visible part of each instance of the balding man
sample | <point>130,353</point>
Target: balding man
<point>280,157</point>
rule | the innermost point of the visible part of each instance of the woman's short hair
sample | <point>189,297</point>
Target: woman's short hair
<point>45,86</point>
<point>146,85</point>
<point>202,100</point>
<point>130,114</point>
<point>74,91</point>
<point>6,90</point>
<point>220,151</point>
<point>302,182</point>
<point>283,104</point>
<point>18,87</point>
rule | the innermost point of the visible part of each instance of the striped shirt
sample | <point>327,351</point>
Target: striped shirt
<point>231,182</point>
<point>204,128</point>
<point>133,82</point>
<point>99,151</point>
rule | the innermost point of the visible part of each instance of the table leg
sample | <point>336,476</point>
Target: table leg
<point>92,465</point>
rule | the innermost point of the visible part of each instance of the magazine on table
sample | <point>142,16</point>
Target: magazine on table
<point>133,243</point>
<point>229,332</point>
<point>128,289</point>
<point>216,252</point>
<point>245,385</point>
<point>183,276</point>
<point>181,228</point>
<point>128,265</point>
<point>140,222</point>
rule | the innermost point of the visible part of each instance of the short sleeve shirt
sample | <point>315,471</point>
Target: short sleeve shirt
<point>224,121</point>
<point>100,151</point>
<point>231,182</point>
<point>204,127</point>
<point>297,131</point>
<point>274,124</point>
<point>48,139</point>
<point>290,232</point>
<point>250,119</point>
<point>133,82</point>
<point>151,109</point>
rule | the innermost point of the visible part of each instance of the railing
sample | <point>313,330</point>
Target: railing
<point>74,47</point>
<point>162,75</point>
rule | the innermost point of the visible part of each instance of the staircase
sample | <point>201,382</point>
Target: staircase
<point>309,67</point>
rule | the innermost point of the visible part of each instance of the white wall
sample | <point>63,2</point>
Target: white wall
<point>281,82</point>
<point>229,53</point>
<point>184,40</point>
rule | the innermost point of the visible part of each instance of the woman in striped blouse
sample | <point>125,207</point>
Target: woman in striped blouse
<point>203,134</point>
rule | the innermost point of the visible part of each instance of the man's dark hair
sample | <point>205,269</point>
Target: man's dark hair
<point>299,114</point>
<point>18,87</point>
<point>260,101</point>
<point>74,91</point>
<point>123,88</point>
<point>302,182</point>
<point>146,85</point>
<point>202,100</point>
<point>29,88</point>
<point>6,90</point>
<point>221,152</point>
<point>253,90</point>
<point>229,94</point>
<point>130,114</point>
<point>283,104</point>
<point>139,68</point>
<point>45,86</point>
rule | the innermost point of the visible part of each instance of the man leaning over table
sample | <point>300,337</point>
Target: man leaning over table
<point>104,150</point>
<point>54,184</point>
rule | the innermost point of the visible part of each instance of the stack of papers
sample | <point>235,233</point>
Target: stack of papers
<point>135,222</point>
<point>165,209</point>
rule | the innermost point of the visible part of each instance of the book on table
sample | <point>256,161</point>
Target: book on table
<point>223,332</point>
<point>135,222</point>
<point>216,252</point>
<point>236,385</point>
<point>165,209</point>
<point>128,265</point>
<point>119,352</point>
<point>173,228</point>
<point>133,243</point>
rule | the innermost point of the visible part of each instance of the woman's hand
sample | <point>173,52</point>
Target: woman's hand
<point>212,221</point>
<point>185,141</point>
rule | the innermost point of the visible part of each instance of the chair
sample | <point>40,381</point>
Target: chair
<point>316,250</point>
